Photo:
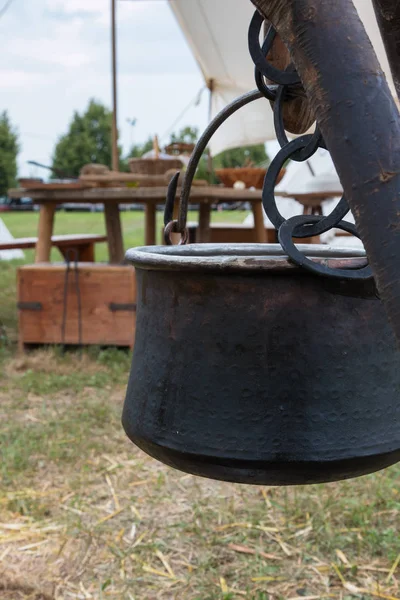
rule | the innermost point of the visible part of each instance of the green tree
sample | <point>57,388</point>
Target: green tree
<point>138,150</point>
<point>190,135</point>
<point>236,157</point>
<point>9,149</point>
<point>88,140</point>
<point>240,157</point>
<point>187,135</point>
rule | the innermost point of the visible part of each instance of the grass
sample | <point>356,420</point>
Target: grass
<point>85,514</point>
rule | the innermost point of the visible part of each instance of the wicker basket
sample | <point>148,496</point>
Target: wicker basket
<point>251,176</point>
<point>94,169</point>
<point>153,166</point>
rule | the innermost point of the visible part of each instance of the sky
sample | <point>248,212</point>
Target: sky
<point>56,56</point>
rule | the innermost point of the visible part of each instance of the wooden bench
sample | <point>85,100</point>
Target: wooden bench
<point>82,244</point>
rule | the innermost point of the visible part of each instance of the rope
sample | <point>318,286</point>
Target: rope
<point>71,255</point>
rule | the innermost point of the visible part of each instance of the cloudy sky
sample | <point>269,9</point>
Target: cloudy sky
<point>56,55</point>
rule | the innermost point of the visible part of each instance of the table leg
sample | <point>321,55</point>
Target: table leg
<point>203,231</point>
<point>259,226</point>
<point>175,237</point>
<point>45,231</point>
<point>114,233</point>
<point>312,210</point>
<point>150,224</point>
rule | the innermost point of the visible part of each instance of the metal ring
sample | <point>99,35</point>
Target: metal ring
<point>271,178</point>
<point>268,193</point>
<point>173,227</point>
<point>288,230</point>
<point>322,224</point>
<point>268,91</point>
<point>258,54</point>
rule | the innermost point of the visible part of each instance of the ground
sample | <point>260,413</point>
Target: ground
<point>85,514</point>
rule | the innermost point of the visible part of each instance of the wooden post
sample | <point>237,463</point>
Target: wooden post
<point>114,232</point>
<point>259,226</point>
<point>359,121</point>
<point>156,147</point>
<point>114,134</point>
<point>203,232</point>
<point>45,231</point>
<point>150,214</point>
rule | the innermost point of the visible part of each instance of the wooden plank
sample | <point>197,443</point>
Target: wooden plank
<point>57,186</point>
<point>58,241</point>
<point>45,231</point>
<point>100,286</point>
<point>227,233</point>
<point>114,233</point>
<point>84,253</point>
<point>19,244</point>
<point>78,238</point>
<point>137,195</point>
<point>113,177</point>
<point>116,179</point>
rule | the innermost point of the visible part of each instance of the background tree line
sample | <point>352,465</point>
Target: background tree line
<point>88,140</point>
<point>9,149</point>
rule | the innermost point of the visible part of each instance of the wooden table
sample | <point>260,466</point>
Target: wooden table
<point>150,197</point>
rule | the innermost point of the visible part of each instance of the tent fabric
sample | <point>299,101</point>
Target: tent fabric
<point>5,236</point>
<point>216,31</point>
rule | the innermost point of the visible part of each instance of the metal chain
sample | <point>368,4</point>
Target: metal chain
<point>285,84</point>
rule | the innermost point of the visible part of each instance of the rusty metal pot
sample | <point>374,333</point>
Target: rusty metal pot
<point>249,369</point>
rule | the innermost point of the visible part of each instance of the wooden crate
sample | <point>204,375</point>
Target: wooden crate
<point>108,304</point>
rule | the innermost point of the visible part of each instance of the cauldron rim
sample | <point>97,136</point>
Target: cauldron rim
<point>239,257</point>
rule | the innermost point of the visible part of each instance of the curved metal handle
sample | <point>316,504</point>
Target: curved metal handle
<point>180,225</point>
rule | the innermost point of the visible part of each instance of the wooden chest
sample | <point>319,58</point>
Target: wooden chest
<point>92,304</point>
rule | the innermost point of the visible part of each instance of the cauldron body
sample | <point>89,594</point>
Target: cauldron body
<point>248,369</point>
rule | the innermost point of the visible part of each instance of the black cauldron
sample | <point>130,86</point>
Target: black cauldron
<point>249,369</point>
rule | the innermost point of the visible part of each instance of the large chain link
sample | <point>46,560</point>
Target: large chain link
<point>285,84</point>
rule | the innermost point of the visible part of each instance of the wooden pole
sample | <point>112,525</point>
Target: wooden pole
<point>114,232</point>
<point>114,133</point>
<point>210,158</point>
<point>156,147</point>
<point>45,231</point>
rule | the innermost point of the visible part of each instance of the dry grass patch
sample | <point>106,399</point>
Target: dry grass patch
<point>84,514</point>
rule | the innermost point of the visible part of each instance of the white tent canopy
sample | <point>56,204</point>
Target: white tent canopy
<point>216,31</point>
<point>5,236</point>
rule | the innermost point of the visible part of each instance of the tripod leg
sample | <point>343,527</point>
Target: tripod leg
<point>358,118</point>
